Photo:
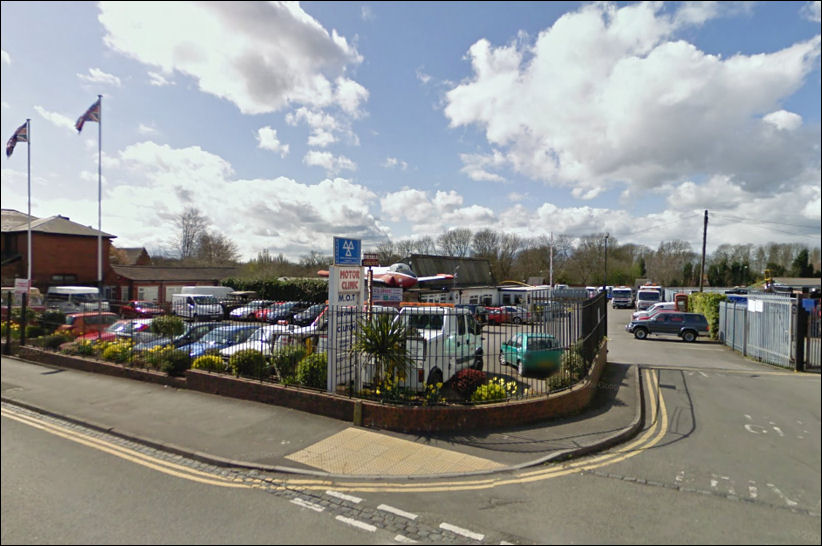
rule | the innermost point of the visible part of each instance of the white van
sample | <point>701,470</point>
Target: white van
<point>196,306</point>
<point>443,340</point>
<point>219,292</point>
<point>75,299</point>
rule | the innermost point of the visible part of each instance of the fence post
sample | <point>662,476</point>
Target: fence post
<point>800,316</point>
<point>7,346</point>
<point>23,318</point>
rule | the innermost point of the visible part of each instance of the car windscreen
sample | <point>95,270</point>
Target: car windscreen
<point>648,296</point>
<point>206,300</point>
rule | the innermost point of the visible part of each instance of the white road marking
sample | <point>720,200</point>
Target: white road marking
<point>748,417</point>
<point>460,531</point>
<point>680,476</point>
<point>786,499</point>
<point>778,431</point>
<point>397,511</point>
<point>343,496</point>
<point>752,490</point>
<point>306,504</point>
<point>404,540</point>
<point>356,523</point>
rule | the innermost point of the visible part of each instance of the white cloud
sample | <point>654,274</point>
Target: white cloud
<point>367,14</point>
<point>393,163</point>
<point>260,56</point>
<point>812,11</point>
<point>158,80</point>
<point>784,120</point>
<point>423,77</point>
<point>58,120</point>
<point>328,161</point>
<point>267,140</point>
<point>5,56</point>
<point>96,75</point>
<point>146,130</point>
<point>607,96</point>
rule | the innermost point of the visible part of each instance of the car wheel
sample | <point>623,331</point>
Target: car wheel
<point>689,336</point>
<point>517,320</point>
<point>640,333</point>
<point>478,363</point>
<point>434,377</point>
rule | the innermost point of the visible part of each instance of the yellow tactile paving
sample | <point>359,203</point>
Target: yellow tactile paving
<point>356,451</point>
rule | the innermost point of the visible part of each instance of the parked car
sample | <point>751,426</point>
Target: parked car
<point>141,309</point>
<point>508,313</point>
<point>282,311</point>
<point>122,329</point>
<point>78,324</point>
<point>479,311</point>
<point>193,332</point>
<point>307,316</point>
<point>554,310</point>
<point>246,312</point>
<point>262,339</point>
<point>220,338</point>
<point>533,354</point>
<point>654,309</point>
<point>688,326</point>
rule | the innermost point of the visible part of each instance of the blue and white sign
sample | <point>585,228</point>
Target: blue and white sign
<point>346,251</point>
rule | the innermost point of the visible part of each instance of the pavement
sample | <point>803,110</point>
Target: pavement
<point>239,433</point>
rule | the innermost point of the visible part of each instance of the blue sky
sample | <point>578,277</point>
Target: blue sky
<point>289,124</point>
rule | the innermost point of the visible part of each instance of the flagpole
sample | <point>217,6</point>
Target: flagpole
<point>28,277</point>
<point>99,204</point>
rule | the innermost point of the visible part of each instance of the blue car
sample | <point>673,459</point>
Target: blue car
<point>193,332</point>
<point>220,338</point>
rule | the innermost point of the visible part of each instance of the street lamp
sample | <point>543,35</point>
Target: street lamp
<point>454,284</point>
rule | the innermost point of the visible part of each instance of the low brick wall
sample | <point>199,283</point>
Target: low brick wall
<point>367,413</point>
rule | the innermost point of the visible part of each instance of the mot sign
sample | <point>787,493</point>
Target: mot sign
<point>346,251</point>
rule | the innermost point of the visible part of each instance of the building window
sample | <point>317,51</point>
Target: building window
<point>64,277</point>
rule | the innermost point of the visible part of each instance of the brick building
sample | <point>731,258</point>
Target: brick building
<point>63,252</point>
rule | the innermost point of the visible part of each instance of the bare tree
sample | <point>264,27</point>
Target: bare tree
<point>216,249</point>
<point>455,242</point>
<point>405,248</point>
<point>192,225</point>
<point>425,245</point>
<point>386,253</point>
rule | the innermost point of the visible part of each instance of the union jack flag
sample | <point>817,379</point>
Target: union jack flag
<point>92,114</point>
<point>20,135</point>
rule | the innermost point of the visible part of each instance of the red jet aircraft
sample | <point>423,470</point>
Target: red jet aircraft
<point>398,275</point>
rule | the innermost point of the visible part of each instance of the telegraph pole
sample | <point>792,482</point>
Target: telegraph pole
<point>704,238</point>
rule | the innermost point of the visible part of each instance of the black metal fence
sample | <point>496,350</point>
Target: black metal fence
<point>414,354</point>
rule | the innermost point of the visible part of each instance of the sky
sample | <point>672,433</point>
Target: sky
<point>288,124</point>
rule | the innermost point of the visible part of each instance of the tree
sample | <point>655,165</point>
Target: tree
<point>216,249</point>
<point>800,266</point>
<point>455,242</point>
<point>192,225</point>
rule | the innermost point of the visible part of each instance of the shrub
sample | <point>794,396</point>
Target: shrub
<point>52,341</point>
<point>50,320</point>
<point>175,362</point>
<point>466,381</point>
<point>574,363</point>
<point>312,371</point>
<point>209,363</point>
<point>155,356</point>
<point>707,303</point>
<point>33,330</point>
<point>84,347</point>
<point>286,359</point>
<point>248,362</point>
<point>168,325</point>
<point>117,352</point>
<point>495,389</point>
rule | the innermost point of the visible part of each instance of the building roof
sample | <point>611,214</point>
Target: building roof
<point>151,273</point>
<point>468,271</point>
<point>14,221</point>
<point>799,282</point>
<point>134,254</point>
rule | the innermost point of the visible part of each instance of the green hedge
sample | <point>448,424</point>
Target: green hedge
<point>707,303</point>
<point>315,290</point>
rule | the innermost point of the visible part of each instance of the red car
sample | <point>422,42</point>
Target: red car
<point>141,309</point>
<point>508,313</point>
<point>122,329</point>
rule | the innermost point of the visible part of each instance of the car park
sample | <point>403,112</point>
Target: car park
<point>196,306</point>
<point>553,310</point>
<point>220,338</point>
<point>533,354</point>
<point>141,309</point>
<point>479,311</point>
<point>282,311</point>
<point>262,339</point>
<point>78,324</point>
<point>688,326</point>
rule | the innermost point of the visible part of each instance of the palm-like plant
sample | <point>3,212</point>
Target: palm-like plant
<point>383,340</point>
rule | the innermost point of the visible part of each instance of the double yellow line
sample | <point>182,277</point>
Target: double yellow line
<point>658,416</point>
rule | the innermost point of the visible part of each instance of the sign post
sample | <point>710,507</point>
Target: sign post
<point>344,302</point>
